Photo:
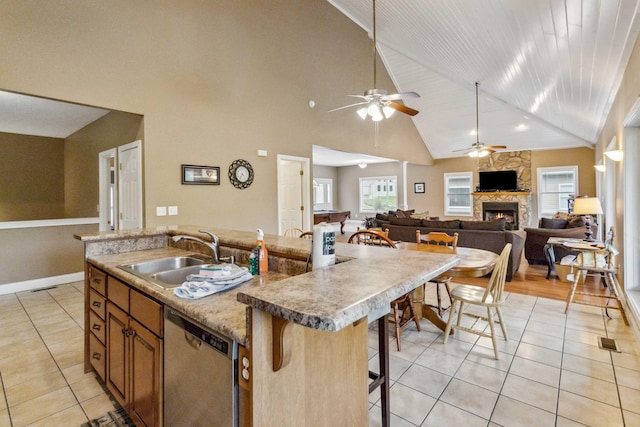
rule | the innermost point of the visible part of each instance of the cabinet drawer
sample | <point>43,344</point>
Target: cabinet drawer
<point>97,303</point>
<point>146,311</point>
<point>97,325</point>
<point>118,293</point>
<point>97,356</point>
<point>98,280</point>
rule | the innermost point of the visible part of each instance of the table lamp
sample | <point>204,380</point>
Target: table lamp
<point>587,206</point>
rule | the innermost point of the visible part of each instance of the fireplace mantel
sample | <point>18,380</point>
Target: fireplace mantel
<point>501,193</point>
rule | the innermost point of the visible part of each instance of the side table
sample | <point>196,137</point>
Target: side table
<point>549,253</point>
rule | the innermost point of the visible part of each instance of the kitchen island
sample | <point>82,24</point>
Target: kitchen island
<point>302,336</point>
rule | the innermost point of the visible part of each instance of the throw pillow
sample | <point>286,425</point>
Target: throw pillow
<point>554,223</point>
<point>411,222</point>
<point>561,215</point>
<point>423,215</point>
<point>493,225</point>
<point>392,213</point>
<point>404,214</point>
<point>454,223</point>
<point>577,221</point>
<point>382,217</point>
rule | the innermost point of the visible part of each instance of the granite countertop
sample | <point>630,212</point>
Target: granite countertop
<point>364,281</point>
<point>221,312</point>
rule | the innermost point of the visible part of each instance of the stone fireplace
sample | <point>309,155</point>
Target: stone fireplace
<point>520,161</point>
<point>506,210</point>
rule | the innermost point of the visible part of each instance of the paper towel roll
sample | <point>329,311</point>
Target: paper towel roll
<point>323,250</point>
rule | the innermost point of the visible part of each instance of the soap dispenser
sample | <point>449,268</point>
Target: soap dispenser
<point>263,255</point>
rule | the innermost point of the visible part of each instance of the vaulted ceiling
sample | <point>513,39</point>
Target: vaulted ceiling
<point>548,70</point>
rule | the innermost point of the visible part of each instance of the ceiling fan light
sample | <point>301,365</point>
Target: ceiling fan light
<point>483,153</point>
<point>377,117</point>
<point>374,110</point>
<point>473,154</point>
<point>362,113</point>
<point>388,111</point>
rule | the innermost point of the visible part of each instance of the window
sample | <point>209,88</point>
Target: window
<point>378,194</point>
<point>457,193</point>
<point>555,186</point>
<point>322,192</point>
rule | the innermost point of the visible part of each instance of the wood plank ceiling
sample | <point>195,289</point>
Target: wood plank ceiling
<point>548,69</point>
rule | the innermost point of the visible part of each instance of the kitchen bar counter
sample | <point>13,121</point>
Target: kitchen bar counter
<point>364,281</point>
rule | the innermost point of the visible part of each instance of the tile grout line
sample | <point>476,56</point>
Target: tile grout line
<point>52,357</point>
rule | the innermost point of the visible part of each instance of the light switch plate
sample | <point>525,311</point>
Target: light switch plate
<point>161,211</point>
<point>173,210</point>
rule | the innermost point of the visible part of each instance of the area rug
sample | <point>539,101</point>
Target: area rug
<point>117,418</point>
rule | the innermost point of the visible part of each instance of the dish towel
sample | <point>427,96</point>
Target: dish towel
<point>201,285</point>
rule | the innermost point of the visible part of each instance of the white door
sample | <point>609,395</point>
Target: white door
<point>130,186</point>
<point>108,192</point>
<point>293,193</point>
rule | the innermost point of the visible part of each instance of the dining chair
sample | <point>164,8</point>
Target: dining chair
<point>602,263</point>
<point>491,297</point>
<point>443,239</point>
<point>306,235</point>
<point>402,310</point>
<point>292,232</point>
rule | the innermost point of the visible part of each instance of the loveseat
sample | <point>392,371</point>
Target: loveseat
<point>567,226</point>
<point>488,235</point>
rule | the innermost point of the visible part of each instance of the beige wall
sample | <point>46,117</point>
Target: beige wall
<point>614,128</point>
<point>81,159</point>
<point>215,81</point>
<point>31,178</point>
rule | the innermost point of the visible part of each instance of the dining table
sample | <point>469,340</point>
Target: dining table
<point>472,263</point>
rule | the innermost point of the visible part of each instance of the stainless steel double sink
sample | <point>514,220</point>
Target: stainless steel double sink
<point>166,272</point>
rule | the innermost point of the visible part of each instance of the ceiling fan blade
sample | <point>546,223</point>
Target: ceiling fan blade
<point>396,96</point>
<point>348,106</point>
<point>463,149</point>
<point>497,147</point>
<point>359,96</point>
<point>403,108</point>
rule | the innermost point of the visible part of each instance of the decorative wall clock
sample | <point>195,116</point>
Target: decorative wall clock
<point>241,174</point>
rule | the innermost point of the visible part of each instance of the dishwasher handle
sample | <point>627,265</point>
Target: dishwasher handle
<point>192,341</point>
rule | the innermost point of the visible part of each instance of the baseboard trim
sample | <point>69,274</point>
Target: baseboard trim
<point>45,282</point>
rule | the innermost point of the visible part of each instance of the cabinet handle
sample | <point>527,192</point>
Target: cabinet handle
<point>96,327</point>
<point>96,280</point>
<point>96,356</point>
<point>128,332</point>
<point>96,303</point>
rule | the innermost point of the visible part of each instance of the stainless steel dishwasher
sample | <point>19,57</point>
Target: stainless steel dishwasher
<point>200,387</point>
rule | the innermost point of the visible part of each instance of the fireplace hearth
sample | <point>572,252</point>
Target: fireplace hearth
<point>506,210</point>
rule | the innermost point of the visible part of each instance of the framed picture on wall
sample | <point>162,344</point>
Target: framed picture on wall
<point>200,175</point>
<point>418,187</point>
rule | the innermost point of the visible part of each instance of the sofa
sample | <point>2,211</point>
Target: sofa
<point>488,235</point>
<point>561,225</point>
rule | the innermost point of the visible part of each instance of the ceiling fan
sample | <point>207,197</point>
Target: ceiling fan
<point>376,103</point>
<point>478,149</point>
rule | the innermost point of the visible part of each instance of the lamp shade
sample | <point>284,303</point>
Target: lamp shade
<point>587,206</point>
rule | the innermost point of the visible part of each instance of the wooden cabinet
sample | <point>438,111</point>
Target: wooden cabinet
<point>127,347</point>
<point>95,318</point>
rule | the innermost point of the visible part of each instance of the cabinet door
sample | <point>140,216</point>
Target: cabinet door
<point>146,376</point>
<point>117,353</point>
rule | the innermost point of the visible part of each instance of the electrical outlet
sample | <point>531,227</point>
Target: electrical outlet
<point>161,211</point>
<point>173,210</point>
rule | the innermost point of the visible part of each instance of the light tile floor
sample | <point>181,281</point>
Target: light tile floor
<point>41,360</point>
<point>550,372</point>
